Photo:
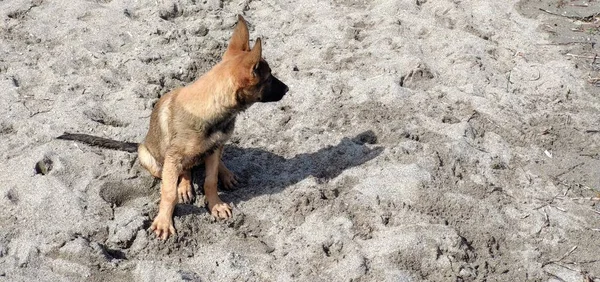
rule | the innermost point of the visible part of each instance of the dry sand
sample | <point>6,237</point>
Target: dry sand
<point>421,141</point>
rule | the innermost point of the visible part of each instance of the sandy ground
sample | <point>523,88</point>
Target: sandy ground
<point>421,141</point>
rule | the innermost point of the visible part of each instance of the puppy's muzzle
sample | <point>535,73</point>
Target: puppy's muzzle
<point>275,90</point>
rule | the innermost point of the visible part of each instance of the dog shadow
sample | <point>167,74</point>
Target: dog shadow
<point>262,172</point>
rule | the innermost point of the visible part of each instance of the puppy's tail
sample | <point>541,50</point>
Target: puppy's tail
<point>101,142</point>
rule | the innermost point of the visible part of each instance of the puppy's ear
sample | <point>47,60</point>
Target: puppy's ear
<point>253,58</point>
<point>240,38</point>
<point>256,53</point>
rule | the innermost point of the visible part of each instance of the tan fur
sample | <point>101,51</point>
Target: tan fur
<point>164,115</point>
<point>190,125</point>
<point>148,161</point>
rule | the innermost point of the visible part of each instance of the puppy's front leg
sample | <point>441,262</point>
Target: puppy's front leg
<point>217,208</point>
<point>227,177</point>
<point>184,189</point>
<point>163,222</point>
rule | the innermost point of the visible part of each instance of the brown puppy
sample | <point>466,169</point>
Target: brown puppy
<point>191,124</point>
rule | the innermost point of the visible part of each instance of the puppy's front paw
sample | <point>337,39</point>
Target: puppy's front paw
<point>163,227</point>
<point>219,209</point>
<point>185,193</point>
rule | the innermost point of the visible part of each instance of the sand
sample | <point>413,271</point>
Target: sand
<point>420,141</point>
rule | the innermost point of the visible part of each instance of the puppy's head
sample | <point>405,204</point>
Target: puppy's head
<point>251,73</point>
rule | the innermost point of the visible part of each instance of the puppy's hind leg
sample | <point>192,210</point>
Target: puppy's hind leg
<point>148,161</point>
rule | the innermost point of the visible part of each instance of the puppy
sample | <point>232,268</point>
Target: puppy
<point>190,125</point>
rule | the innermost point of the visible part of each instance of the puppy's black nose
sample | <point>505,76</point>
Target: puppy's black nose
<point>286,89</point>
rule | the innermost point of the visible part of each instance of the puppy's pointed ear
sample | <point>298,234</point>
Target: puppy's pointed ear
<point>240,38</point>
<point>254,57</point>
<point>256,53</point>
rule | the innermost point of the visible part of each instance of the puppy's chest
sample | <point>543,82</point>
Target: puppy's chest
<point>218,130</point>
<point>210,135</point>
